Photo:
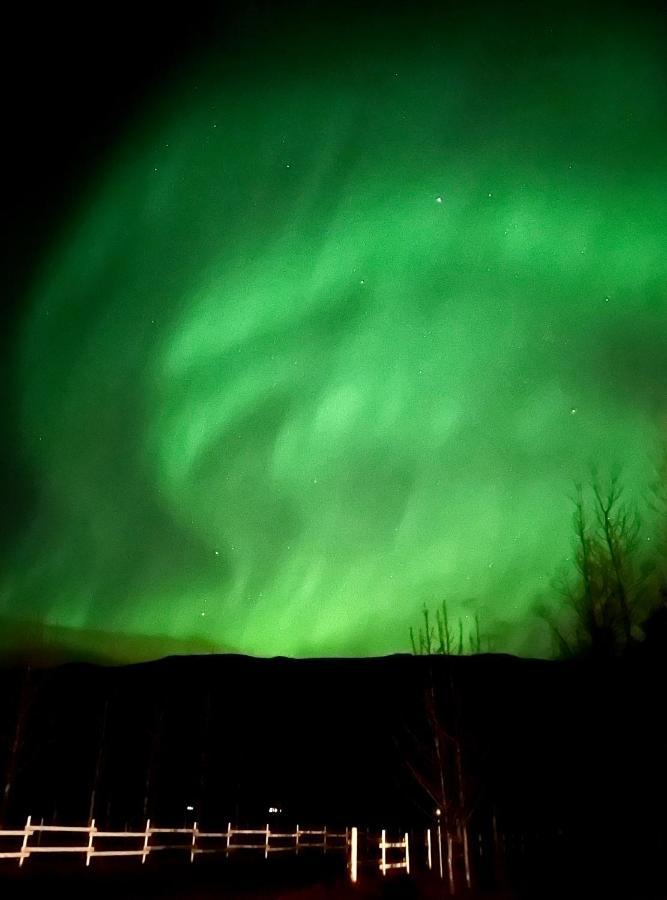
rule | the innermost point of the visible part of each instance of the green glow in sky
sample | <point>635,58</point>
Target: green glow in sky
<point>334,331</point>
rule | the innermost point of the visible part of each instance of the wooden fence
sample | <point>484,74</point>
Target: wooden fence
<point>402,845</point>
<point>89,842</point>
<point>374,850</point>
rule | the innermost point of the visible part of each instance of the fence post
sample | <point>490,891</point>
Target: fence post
<point>407,854</point>
<point>193,847</point>
<point>147,834</point>
<point>296,841</point>
<point>91,834</point>
<point>466,856</point>
<point>383,849</point>
<point>266,842</point>
<point>324,843</point>
<point>25,853</point>
<point>440,849</point>
<point>229,838</point>
<point>450,863</point>
<point>429,851</point>
<point>354,843</point>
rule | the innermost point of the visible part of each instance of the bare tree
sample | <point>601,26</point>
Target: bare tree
<point>658,506</point>
<point>438,757</point>
<point>438,753</point>
<point>655,624</point>
<point>439,639</point>
<point>605,593</point>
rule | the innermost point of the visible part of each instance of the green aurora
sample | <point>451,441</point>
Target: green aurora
<point>336,327</point>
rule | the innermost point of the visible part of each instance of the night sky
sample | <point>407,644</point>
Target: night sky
<point>318,315</point>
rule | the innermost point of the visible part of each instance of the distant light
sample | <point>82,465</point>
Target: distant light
<point>190,808</point>
<point>437,812</point>
<point>274,809</point>
<point>438,199</point>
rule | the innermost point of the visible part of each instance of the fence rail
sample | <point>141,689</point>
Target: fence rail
<point>226,841</point>
<point>402,845</point>
<point>90,843</point>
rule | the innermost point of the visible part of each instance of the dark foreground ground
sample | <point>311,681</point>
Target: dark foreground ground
<point>276,880</point>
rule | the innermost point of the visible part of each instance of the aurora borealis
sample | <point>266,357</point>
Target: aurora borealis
<point>336,326</point>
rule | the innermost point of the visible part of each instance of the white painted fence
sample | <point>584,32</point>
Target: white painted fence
<point>403,846</point>
<point>91,841</point>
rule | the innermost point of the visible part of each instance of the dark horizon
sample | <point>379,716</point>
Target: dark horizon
<point>557,756</point>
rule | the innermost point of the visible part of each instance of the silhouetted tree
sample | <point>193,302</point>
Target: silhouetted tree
<point>658,505</point>
<point>606,592</point>
<point>440,639</point>
<point>438,757</point>
<point>655,624</point>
